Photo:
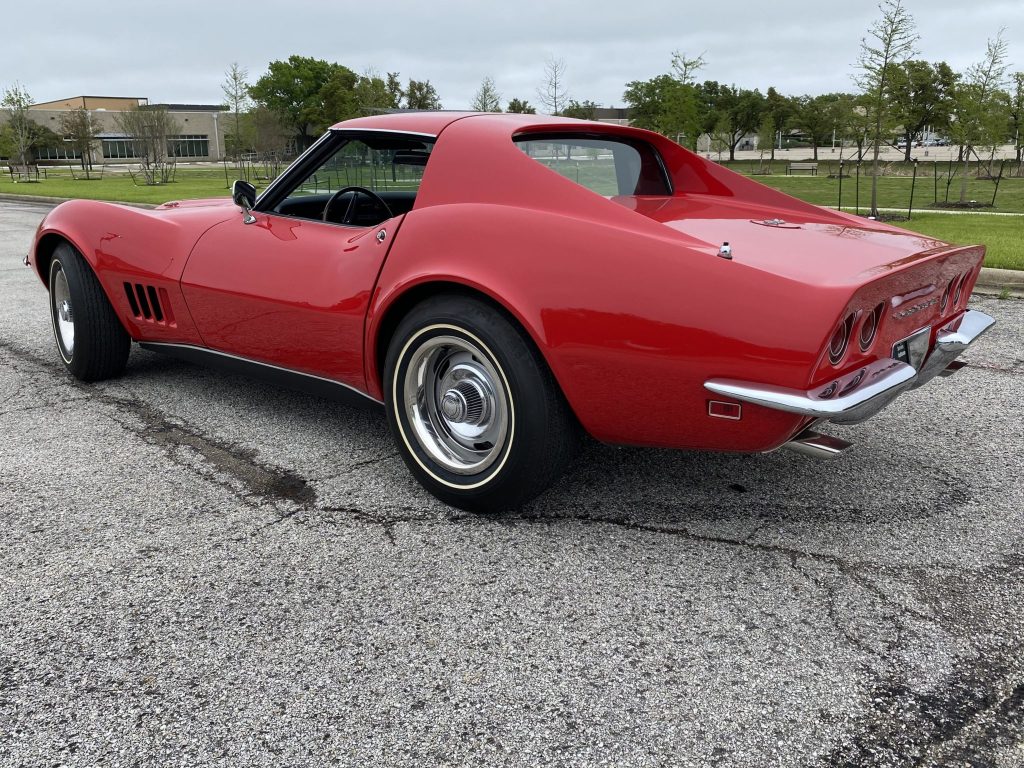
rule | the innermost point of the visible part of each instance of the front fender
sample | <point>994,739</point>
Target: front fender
<point>124,244</point>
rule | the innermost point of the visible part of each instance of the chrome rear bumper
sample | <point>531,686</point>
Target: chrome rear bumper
<point>861,394</point>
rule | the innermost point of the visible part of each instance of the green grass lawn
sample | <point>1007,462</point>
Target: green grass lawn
<point>188,184</point>
<point>1003,235</point>
<point>894,192</point>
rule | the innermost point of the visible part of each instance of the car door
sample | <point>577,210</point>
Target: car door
<point>287,291</point>
<point>290,284</point>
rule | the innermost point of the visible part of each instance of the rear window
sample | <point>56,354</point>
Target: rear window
<point>607,165</point>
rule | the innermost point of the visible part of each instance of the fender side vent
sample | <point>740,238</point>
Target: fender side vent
<point>150,303</point>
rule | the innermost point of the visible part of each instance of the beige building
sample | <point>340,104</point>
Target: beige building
<point>199,136</point>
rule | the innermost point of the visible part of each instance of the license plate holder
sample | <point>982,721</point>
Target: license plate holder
<point>914,348</point>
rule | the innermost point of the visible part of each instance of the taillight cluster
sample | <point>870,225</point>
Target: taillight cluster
<point>954,291</point>
<point>839,342</point>
<point>869,326</point>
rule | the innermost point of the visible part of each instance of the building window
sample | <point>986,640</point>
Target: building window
<point>188,146</point>
<point>60,152</point>
<point>119,148</point>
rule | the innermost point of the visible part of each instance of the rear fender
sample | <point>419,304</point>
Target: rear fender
<point>631,324</point>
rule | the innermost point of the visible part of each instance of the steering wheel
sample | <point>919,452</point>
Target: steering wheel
<point>351,209</point>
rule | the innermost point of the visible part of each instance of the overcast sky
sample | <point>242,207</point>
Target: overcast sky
<point>178,51</point>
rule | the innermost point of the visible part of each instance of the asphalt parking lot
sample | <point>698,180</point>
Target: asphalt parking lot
<point>197,569</point>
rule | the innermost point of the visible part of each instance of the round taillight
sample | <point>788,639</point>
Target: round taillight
<point>945,294</point>
<point>840,340</point>
<point>869,327</point>
<point>960,287</point>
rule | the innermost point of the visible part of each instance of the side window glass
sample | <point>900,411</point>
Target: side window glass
<point>363,182</point>
<point>608,166</point>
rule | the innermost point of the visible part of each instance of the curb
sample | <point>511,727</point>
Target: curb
<point>43,200</point>
<point>996,281</point>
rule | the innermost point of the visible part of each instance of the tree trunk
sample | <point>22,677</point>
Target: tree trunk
<point>909,137</point>
<point>963,176</point>
<point>815,142</point>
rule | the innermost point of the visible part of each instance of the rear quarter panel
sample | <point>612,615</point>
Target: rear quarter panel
<point>631,322</point>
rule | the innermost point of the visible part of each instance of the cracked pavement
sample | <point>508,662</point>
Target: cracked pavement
<point>199,569</point>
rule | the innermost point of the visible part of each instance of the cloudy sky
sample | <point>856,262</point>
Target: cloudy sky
<point>178,51</point>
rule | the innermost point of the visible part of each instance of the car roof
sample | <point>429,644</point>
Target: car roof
<point>432,123</point>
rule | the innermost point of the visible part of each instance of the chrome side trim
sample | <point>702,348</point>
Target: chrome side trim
<point>195,353</point>
<point>951,341</point>
<point>817,445</point>
<point>847,400</point>
<point>383,130</point>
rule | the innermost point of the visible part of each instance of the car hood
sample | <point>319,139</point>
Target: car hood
<point>811,245</point>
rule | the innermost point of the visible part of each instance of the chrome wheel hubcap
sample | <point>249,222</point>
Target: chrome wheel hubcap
<point>64,317</point>
<point>457,404</point>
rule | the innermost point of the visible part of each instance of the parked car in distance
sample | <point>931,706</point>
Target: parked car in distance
<point>503,284</point>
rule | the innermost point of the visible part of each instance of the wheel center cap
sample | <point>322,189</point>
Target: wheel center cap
<point>65,311</point>
<point>453,406</point>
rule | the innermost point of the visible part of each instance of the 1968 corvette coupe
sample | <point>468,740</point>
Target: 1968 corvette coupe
<point>503,283</point>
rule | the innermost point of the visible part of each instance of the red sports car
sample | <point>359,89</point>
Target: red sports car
<point>504,283</point>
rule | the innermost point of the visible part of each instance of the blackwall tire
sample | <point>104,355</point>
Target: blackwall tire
<point>473,408</point>
<point>91,341</point>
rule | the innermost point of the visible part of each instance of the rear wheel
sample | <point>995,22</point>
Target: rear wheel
<point>90,339</point>
<point>474,410</point>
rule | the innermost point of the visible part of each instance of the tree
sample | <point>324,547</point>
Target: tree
<point>80,128</point>
<point>921,96</point>
<point>420,94</point>
<point>1017,113</point>
<point>979,114</point>
<point>586,110</point>
<point>766,138</point>
<point>736,113</point>
<point>666,105</point>
<point>294,90</point>
<point>683,69</point>
<point>339,96</point>
<point>393,85</point>
<point>236,97</point>
<point>487,99</point>
<point>374,94</point>
<point>853,123</point>
<point>149,128</point>
<point>521,106</point>
<point>817,117</point>
<point>780,108</point>
<point>22,132</point>
<point>890,41</point>
<point>553,95</point>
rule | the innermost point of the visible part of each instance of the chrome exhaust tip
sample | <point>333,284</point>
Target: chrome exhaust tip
<point>817,445</point>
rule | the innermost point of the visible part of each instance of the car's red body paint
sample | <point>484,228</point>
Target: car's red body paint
<point>626,298</point>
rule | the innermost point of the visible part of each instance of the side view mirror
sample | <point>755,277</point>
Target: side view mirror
<point>244,195</point>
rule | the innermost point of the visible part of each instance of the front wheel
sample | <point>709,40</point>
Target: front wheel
<point>90,339</point>
<point>474,410</point>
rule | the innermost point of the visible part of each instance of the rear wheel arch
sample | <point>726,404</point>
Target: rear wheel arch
<point>402,304</point>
